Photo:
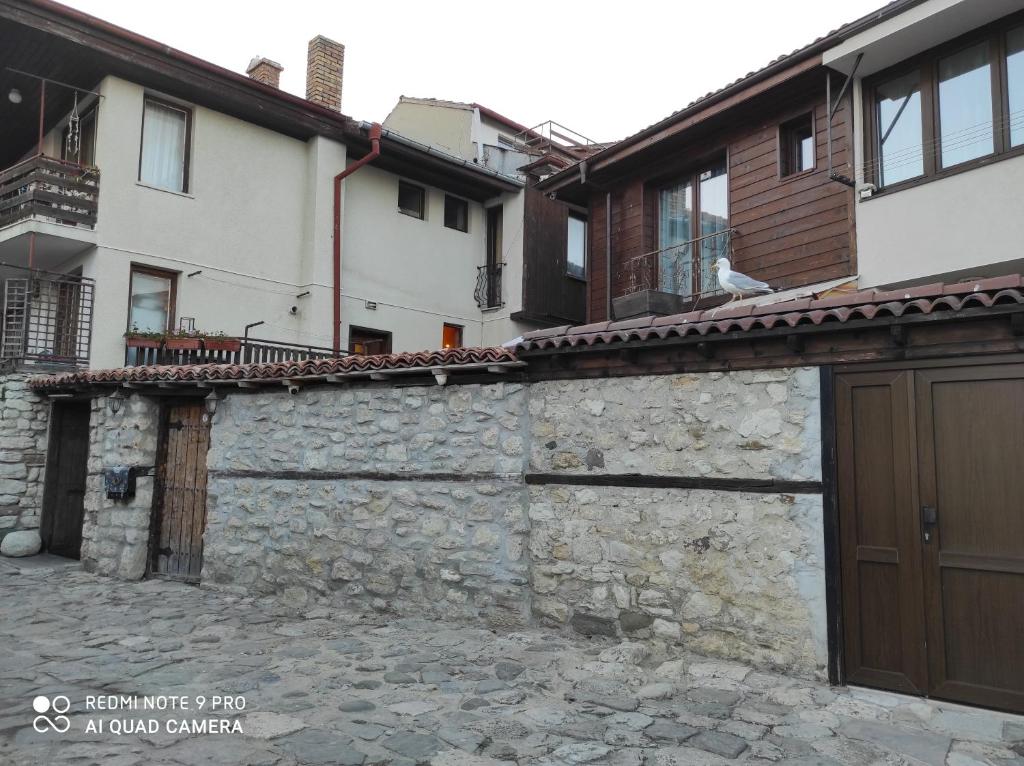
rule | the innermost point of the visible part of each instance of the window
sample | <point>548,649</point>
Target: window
<point>948,109</point>
<point>576,247</point>
<point>451,336</point>
<point>456,213</point>
<point>965,105</point>
<point>796,145</point>
<point>488,281</point>
<point>900,142</point>
<point>412,200</point>
<point>363,340</point>
<point>1015,84</point>
<point>691,213</point>
<point>166,134</point>
<point>151,299</point>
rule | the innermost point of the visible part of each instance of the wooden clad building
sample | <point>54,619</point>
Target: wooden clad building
<point>746,172</point>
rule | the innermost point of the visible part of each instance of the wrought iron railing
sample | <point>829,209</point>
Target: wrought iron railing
<point>683,269</point>
<point>248,351</point>
<point>44,187</point>
<point>488,286</point>
<point>47,318</point>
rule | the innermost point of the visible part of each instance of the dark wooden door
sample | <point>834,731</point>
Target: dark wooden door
<point>180,492</point>
<point>881,561</point>
<point>930,479</point>
<point>971,455</point>
<point>66,472</point>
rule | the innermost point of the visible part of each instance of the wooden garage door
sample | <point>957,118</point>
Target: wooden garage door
<point>180,493</point>
<point>931,500</point>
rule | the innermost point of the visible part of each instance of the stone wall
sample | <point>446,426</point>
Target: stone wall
<point>403,499</point>
<point>414,500</point>
<point>726,573</point>
<point>115,533</point>
<point>24,419</point>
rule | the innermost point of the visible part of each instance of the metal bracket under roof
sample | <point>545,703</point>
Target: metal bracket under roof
<point>833,107</point>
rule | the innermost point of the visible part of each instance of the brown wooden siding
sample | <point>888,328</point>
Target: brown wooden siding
<point>789,231</point>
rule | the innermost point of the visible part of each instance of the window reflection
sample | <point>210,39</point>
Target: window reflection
<point>1015,84</point>
<point>965,105</point>
<point>900,150</point>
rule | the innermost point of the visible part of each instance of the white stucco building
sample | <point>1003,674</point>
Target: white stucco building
<point>938,99</point>
<point>190,196</point>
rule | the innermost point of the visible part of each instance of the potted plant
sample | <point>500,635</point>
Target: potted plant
<point>219,341</point>
<point>136,338</point>
<point>183,340</point>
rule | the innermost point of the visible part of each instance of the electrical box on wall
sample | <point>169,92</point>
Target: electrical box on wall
<point>119,482</point>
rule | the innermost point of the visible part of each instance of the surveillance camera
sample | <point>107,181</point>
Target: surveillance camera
<point>293,310</point>
<point>293,389</point>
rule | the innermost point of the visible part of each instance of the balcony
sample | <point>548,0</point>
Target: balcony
<point>230,351</point>
<point>488,286</point>
<point>47,319</point>
<point>672,280</point>
<point>48,211</point>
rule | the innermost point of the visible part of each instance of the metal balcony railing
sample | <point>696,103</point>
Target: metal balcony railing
<point>683,269</point>
<point>488,286</point>
<point>47,318</point>
<point>249,351</point>
<point>48,188</point>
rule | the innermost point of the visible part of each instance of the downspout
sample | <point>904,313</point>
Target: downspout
<point>608,254</point>
<point>374,132</point>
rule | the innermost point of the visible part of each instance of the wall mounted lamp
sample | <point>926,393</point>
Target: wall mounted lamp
<point>114,402</point>
<point>14,96</point>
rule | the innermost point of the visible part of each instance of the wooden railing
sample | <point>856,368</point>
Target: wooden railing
<point>44,187</point>
<point>250,351</point>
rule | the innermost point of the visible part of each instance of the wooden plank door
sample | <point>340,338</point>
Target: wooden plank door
<point>970,434</point>
<point>883,611</point>
<point>66,472</point>
<point>180,492</point>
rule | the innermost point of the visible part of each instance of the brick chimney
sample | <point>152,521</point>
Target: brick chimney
<point>265,71</point>
<point>324,67</point>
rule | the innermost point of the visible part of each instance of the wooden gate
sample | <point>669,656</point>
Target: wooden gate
<point>66,471</point>
<point>179,500</point>
<point>930,474</point>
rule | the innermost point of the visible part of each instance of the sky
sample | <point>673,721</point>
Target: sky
<point>605,70</point>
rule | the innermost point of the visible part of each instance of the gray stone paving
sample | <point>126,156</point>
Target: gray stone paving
<point>338,687</point>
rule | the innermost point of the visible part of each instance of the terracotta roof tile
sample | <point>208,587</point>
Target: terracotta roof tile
<point>279,370</point>
<point>838,309</point>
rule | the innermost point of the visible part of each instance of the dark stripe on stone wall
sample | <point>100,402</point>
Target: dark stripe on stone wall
<point>781,486</point>
<point>361,476</point>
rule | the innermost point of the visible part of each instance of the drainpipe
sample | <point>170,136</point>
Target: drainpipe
<point>608,255</point>
<point>375,130</point>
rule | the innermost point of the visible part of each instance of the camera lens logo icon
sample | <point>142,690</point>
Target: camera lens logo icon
<point>59,705</point>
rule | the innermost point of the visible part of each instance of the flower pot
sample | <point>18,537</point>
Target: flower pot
<point>182,344</point>
<point>231,345</point>
<point>134,342</point>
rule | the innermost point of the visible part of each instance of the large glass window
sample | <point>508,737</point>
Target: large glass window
<point>691,212</point>
<point>1015,84</point>
<point>165,150</point>
<point>576,247</point>
<point>675,264</point>
<point>714,218</point>
<point>965,105</point>
<point>900,142</point>
<point>948,109</point>
<point>151,294</point>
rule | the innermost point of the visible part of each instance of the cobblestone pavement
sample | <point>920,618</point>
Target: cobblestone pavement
<point>330,687</point>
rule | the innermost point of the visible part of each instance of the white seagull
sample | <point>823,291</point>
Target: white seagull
<point>738,284</point>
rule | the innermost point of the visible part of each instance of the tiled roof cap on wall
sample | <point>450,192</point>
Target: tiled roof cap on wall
<point>311,368</point>
<point>866,304</point>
